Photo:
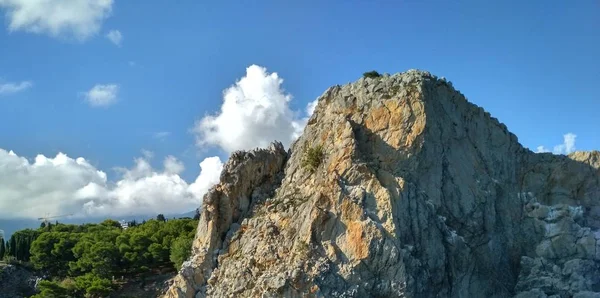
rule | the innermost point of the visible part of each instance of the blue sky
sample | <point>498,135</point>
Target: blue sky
<point>532,64</point>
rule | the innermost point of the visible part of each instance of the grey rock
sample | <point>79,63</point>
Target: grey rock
<point>587,294</point>
<point>420,194</point>
<point>16,281</point>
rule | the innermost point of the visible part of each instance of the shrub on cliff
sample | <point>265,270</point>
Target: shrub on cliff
<point>313,156</point>
<point>371,74</point>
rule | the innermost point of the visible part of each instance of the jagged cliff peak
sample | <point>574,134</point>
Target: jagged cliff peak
<point>415,193</point>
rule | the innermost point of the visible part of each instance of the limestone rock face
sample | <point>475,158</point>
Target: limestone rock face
<point>247,177</point>
<point>419,194</point>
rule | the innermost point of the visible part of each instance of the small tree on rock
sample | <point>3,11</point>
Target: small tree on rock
<point>371,74</point>
<point>313,156</point>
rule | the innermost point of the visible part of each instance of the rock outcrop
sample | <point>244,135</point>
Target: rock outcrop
<point>419,194</point>
<point>17,282</point>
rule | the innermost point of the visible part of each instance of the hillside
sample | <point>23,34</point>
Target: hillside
<point>410,191</point>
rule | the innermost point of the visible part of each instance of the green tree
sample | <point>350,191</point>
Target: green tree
<point>180,251</point>
<point>12,247</point>
<point>2,248</point>
<point>20,243</point>
<point>101,258</point>
<point>371,74</point>
<point>88,255</point>
<point>161,217</point>
<point>49,289</point>
<point>97,252</point>
<point>53,251</point>
<point>93,285</point>
<point>111,223</point>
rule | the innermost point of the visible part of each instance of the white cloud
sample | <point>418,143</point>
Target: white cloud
<point>566,147</point>
<point>63,185</point>
<point>310,108</point>
<point>147,154</point>
<point>102,95</point>
<point>79,19</point>
<point>255,112</point>
<point>161,135</point>
<point>10,88</point>
<point>542,149</point>
<point>115,37</point>
<point>209,176</point>
<point>173,166</point>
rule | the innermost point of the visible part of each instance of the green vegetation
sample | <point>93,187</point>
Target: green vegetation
<point>2,248</point>
<point>180,251</point>
<point>371,74</point>
<point>302,248</point>
<point>19,243</point>
<point>313,156</point>
<point>84,260</point>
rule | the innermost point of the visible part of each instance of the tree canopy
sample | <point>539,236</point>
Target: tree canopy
<point>89,256</point>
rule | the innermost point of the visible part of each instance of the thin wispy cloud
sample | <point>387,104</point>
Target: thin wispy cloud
<point>11,88</point>
<point>102,95</point>
<point>568,145</point>
<point>161,135</point>
<point>147,154</point>
<point>78,19</point>
<point>115,37</point>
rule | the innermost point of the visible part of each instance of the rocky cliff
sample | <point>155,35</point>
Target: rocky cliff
<point>419,194</point>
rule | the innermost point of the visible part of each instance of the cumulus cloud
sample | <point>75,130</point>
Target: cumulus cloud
<point>102,95</point>
<point>79,19</point>
<point>255,112</point>
<point>310,108</point>
<point>115,37</point>
<point>10,88</point>
<point>63,185</point>
<point>566,147</point>
<point>147,154</point>
<point>173,166</point>
<point>209,176</point>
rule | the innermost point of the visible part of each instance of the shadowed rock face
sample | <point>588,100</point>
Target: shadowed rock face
<point>420,194</point>
<point>16,282</point>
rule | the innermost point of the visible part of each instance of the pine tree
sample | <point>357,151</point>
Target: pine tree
<point>13,246</point>
<point>2,248</point>
<point>22,248</point>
